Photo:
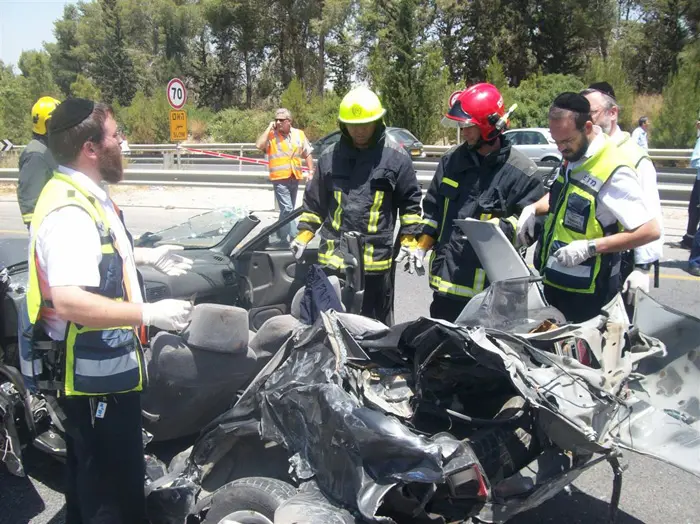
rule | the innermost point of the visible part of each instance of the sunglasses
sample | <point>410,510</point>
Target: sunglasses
<point>281,119</point>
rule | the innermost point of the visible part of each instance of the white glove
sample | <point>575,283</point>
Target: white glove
<point>573,254</point>
<point>297,248</point>
<point>412,259</point>
<point>168,314</point>
<point>163,259</point>
<point>637,280</point>
<point>525,229</point>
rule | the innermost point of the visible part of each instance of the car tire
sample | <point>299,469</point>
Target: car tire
<point>550,160</point>
<point>251,500</point>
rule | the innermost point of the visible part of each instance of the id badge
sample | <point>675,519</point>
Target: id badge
<point>101,409</point>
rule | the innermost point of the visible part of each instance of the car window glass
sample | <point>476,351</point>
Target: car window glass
<point>403,136</point>
<point>274,242</point>
<point>540,139</point>
<point>514,138</point>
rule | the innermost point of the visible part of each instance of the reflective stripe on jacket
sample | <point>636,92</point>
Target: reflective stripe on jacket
<point>573,204</point>
<point>285,154</point>
<point>465,185</point>
<point>363,190</point>
<point>96,361</point>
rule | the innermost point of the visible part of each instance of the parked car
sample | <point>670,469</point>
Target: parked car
<point>536,142</point>
<point>403,137</point>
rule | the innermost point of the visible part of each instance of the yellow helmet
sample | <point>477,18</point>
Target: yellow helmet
<point>360,106</point>
<point>41,112</point>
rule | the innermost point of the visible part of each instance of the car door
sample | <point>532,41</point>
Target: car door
<point>271,273</point>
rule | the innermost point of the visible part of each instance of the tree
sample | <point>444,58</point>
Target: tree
<point>83,87</point>
<point>405,66</point>
<point>676,123</point>
<point>15,107</point>
<point>113,69</point>
<point>65,60</point>
<point>36,68</point>
<point>535,95</point>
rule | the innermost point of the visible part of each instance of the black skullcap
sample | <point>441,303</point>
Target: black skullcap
<point>604,88</point>
<point>572,102</point>
<point>70,113</point>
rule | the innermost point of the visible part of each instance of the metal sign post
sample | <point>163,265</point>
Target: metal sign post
<point>177,96</point>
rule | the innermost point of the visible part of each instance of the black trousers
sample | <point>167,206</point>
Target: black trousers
<point>378,299</point>
<point>693,211</point>
<point>105,464</point>
<point>446,308</point>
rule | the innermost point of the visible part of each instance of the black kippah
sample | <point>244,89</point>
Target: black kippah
<point>70,113</point>
<point>604,88</point>
<point>572,102</point>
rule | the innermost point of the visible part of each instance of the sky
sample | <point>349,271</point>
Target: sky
<point>26,25</point>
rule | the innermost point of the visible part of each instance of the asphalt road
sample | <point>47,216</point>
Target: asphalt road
<point>652,491</point>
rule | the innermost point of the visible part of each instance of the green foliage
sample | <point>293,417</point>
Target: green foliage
<point>495,74</point>
<point>295,99</point>
<point>613,71</point>
<point>15,109</point>
<point>681,109</point>
<point>36,68</point>
<point>83,87</point>
<point>146,120</point>
<point>534,96</point>
<point>236,125</point>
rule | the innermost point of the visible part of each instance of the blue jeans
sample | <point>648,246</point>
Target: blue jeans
<point>286,196</point>
<point>695,250</point>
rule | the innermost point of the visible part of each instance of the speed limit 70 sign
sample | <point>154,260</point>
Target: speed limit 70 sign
<point>177,93</point>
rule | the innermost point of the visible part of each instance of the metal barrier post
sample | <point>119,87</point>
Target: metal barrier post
<point>240,162</point>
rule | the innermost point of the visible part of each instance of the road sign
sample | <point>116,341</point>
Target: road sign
<point>178,126</point>
<point>177,93</point>
<point>453,97</point>
<point>5,145</point>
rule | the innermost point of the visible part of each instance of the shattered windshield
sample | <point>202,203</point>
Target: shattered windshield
<point>200,231</point>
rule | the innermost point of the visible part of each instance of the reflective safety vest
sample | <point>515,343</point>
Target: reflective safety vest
<point>633,153</point>
<point>573,201</point>
<point>284,154</point>
<point>93,361</point>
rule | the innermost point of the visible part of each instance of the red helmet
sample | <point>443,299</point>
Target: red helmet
<point>480,105</point>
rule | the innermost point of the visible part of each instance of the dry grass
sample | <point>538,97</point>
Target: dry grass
<point>198,130</point>
<point>647,105</point>
<point>10,159</point>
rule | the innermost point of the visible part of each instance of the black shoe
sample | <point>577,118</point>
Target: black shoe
<point>687,242</point>
<point>694,270</point>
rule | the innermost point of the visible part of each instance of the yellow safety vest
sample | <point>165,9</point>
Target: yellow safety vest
<point>97,361</point>
<point>573,217</point>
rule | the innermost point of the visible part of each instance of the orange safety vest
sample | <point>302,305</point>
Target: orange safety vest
<point>285,155</point>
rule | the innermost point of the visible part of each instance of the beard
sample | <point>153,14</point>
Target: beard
<point>110,165</point>
<point>606,126</point>
<point>577,154</point>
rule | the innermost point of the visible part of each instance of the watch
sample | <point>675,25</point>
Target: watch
<point>592,251</point>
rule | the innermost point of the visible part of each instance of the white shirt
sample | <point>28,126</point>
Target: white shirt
<point>640,138</point>
<point>621,199</point>
<point>648,179</point>
<point>69,251</point>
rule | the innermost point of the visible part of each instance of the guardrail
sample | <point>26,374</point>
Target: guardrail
<point>675,184</point>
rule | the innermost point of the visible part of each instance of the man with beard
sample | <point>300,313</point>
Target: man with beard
<point>84,303</point>
<point>604,113</point>
<point>595,210</point>
<point>482,178</point>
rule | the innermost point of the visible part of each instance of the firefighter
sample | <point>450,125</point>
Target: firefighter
<point>362,183</point>
<point>483,178</point>
<point>36,164</point>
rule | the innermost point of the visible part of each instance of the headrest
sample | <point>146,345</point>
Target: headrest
<point>217,328</point>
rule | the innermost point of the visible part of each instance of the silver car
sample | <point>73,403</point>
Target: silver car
<point>536,143</point>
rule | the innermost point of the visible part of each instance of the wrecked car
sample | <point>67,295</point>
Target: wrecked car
<point>430,421</point>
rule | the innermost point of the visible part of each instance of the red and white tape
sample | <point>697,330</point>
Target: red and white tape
<point>233,157</point>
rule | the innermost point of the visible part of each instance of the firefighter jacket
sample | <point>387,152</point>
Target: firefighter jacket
<point>467,185</point>
<point>36,166</point>
<point>363,190</point>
